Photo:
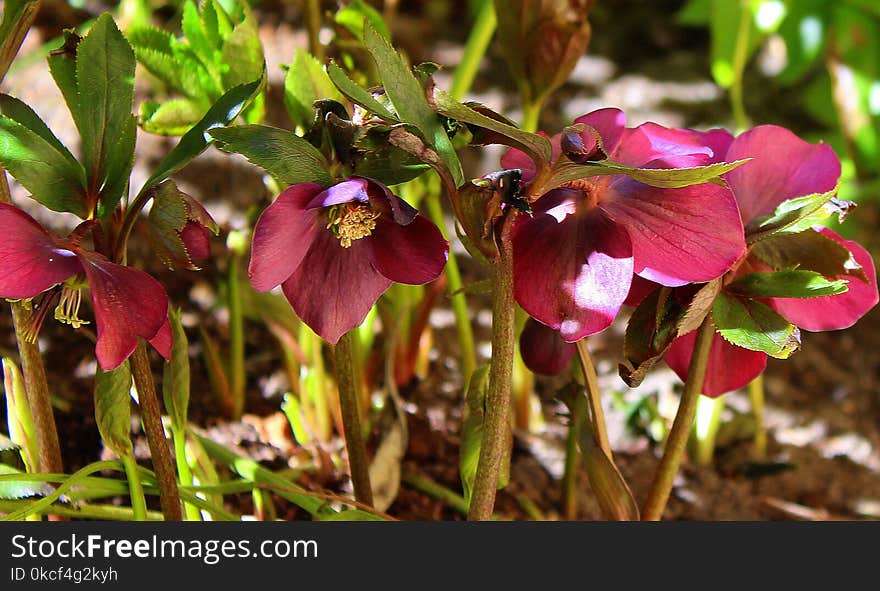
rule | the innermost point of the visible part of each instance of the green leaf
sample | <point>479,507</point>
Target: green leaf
<point>174,64</point>
<point>105,66</point>
<point>19,420</point>
<point>113,408</point>
<point>391,167</point>
<point>120,161</point>
<point>287,157</point>
<point>41,169</point>
<point>786,284</point>
<point>174,117</point>
<point>216,22</point>
<point>62,65</point>
<point>668,178</point>
<point>176,378</point>
<point>20,112</point>
<point>357,93</point>
<point>243,53</point>
<point>305,83</point>
<point>796,215</point>
<point>472,428</point>
<point>408,98</point>
<point>536,146</point>
<point>194,31</point>
<point>649,334</point>
<point>808,250</point>
<point>752,325</point>
<point>20,489</point>
<point>352,17</point>
<point>196,140</point>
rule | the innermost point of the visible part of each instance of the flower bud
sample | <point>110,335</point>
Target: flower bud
<point>581,143</point>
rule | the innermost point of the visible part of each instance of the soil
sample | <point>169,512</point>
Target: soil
<point>823,405</point>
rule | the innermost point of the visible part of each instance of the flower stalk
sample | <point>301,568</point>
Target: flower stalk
<point>756,395</point>
<point>349,402</point>
<point>572,456</point>
<point>594,399</point>
<point>676,442</point>
<point>135,488</point>
<point>496,428</point>
<point>163,463</point>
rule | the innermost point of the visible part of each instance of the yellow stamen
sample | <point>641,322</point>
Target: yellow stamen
<point>351,222</point>
<point>67,310</point>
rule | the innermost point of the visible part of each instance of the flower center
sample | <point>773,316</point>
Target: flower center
<point>589,190</point>
<point>67,310</point>
<point>350,222</point>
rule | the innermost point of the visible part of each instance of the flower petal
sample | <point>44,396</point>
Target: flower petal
<point>718,140</point>
<point>31,261</point>
<point>164,340</point>
<point>837,311</point>
<point>783,166</point>
<point>413,254</point>
<point>610,123</point>
<point>197,240</point>
<point>691,234</point>
<point>334,288</point>
<point>729,368</point>
<point>514,158</point>
<point>650,141</point>
<point>282,236</point>
<point>543,349</point>
<point>573,274</point>
<point>128,304</point>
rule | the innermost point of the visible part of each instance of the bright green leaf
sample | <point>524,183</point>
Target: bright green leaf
<point>808,250</point>
<point>796,215</point>
<point>174,117</point>
<point>176,379</point>
<point>357,93</point>
<point>786,284</point>
<point>196,140</point>
<point>19,420</point>
<point>755,326</point>
<point>113,408</point>
<point>472,428</point>
<point>243,53</point>
<point>352,18</point>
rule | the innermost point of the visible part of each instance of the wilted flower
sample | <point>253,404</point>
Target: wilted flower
<point>334,251</point>
<point>128,303</point>
<point>574,259</point>
<point>783,167</point>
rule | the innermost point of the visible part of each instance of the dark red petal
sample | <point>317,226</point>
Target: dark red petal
<point>30,259</point>
<point>282,236</point>
<point>573,274</point>
<point>413,254</point>
<point>783,166</point>
<point>197,240</point>
<point>543,350</point>
<point>691,234</point>
<point>837,311</point>
<point>610,123</point>
<point>334,287</point>
<point>163,340</point>
<point>650,141</point>
<point>128,304</point>
<point>730,367</point>
<point>382,199</point>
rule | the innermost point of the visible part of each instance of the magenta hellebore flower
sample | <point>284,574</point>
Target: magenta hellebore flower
<point>334,251</point>
<point>575,258</point>
<point>783,167</point>
<point>128,303</point>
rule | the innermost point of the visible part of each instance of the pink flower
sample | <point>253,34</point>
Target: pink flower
<point>783,167</point>
<point>575,258</point>
<point>335,251</point>
<point>128,303</point>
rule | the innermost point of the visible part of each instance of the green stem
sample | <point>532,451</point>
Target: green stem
<point>740,56</point>
<point>349,402</point>
<point>532,115</point>
<point>313,22</point>
<point>708,422</point>
<point>136,489</point>
<point>236,337</point>
<point>477,43</point>
<point>676,443</point>
<point>496,428</point>
<point>594,398</point>
<point>183,471</point>
<point>436,491</point>
<point>756,394</point>
<point>151,415</point>
<point>82,511</point>
<point>457,297</point>
<point>572,457</point>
